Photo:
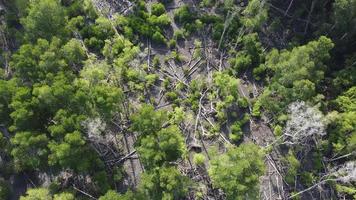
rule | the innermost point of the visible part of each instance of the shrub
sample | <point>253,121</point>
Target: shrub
<point>171,96</point>
<point>256,109</point>
<point>236,132</point>
<point>242,102</point>
<point>159,38</point>
<point>277,130</point>
<point>151,79</point>
<point>183,15</point>
<point>172,43</point>
<point>158,9</point>
<point>178,35</point>
<point>199,159</point>
<point>156,62</point>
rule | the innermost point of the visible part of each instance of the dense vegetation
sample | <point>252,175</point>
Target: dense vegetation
<point>122,100</point>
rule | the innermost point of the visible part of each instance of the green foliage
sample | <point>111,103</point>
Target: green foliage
<point>96,34</point>
<point>250,54</point>
<point>278,130</point>
<point>164,183</point>
<point>178,35</point>
<point>64,196</point>
<point>74,53</point>
<point>255,14</point>
<point>29,150</point>
<point>145,24</point>
<point>296,74</point>
<point>171,96</point>
<point>164,146</point>
<point>7,90</point>
<point>293,168</point>
<point>148,121</point>
<point>196,87</point>
<point>151,79</point>
<point>37,194</point>
<point>177,116</point>
<point>40,13</point>
<point>348,190</point>
<point>236,128</point>
<point>347,101</point>
<point>158,148</point>
<point>228,92</point>
<point>344,14</point>
<point>199,159</point>
<point>256,109</point>
<point>68,149</point>
<point>242,102</point>
<point>69,67</point>
<point>226,84</point>
<point>342,126</point>
<point>197,49</point>
<point>236,132</point>
<point>160,21</point>
<point>68,152</point>
<point>172,43</point>
<point>159,38</point>
<point>44,194</point>
<point>38,62</point>
<point>176,56</point>
<point>112,195</point>
<point>22,6</point>
<point>237,171</point>
<point>158,9</point>
<point>346,77</point>
<point>307,178</point>
<point>184,15</point>
<point>207,3</point>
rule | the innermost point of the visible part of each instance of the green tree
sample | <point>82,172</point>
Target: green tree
<point>7,91</point>
<point>164,146</point>
<point>45,19</point>
<point>37,194</point>
<point>38,62</point>
<point>74,54</point>
<point>184,15</point>
<point>342,127</point>
<point>293,167</point>
<point>347,101</point>
<point>68,147</point>
<point>227,84</point>
<point>344,15</point>
<point>44,194</point>
<point>112,195</point>
<point>158,9</point>
<point>29,150</point>
<point>64,196</point>
<point>148,121</point>
<point>255,14</point>
<point>250,54</point>
<point>32,109</point>
<point>296,74</point>
<point>164,183</point>
<point>237,171</point>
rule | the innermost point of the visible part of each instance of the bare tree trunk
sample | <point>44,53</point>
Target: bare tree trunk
<point>309,16</point>
<point>289,6</point>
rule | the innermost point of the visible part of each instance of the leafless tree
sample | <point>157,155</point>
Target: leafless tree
<point>94,127</point>
<point>305,123</point>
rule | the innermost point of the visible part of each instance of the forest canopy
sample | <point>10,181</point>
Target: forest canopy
<point>175,100</point>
